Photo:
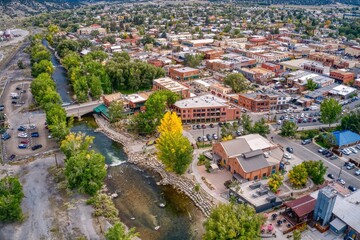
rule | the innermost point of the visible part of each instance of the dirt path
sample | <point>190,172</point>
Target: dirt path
<point>50,212</point>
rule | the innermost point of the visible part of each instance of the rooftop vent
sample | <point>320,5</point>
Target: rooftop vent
<point>255,185</point>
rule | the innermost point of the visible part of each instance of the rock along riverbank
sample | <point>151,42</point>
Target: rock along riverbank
<point>133,148</point>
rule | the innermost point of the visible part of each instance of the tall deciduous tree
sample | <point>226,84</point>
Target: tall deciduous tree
<point>246,123</point>
<point>316,171</point>
<point>75,143</point>
<point>261,127</point>
<point>193,60</point>
<point>298,175</point>
<point>11,195</point>
<point>237,82</point>
<point>311,85</point>
<point>351,121</point>
<point>288,129</point>
<point>118,232</point>
<point>44,66</point>
<point>233,221</point>
<point>174,150</point>
<point>116,111</point>
<point>330,111</point>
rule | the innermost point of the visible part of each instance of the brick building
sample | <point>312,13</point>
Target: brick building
<point>341,76</point>
<point>167,83</point>
<point>251,157</point>
<point>258,74</point>
<point>184,73</point>
<point>206,108</point>
<point>263,102</point>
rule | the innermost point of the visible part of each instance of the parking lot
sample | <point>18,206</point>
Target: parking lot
<point>16,112</point>
<point>198,131</point>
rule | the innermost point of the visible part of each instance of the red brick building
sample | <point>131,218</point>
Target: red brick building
<point>251,156</point>
<point>171,85</point>
<point>256,102</point>
<point>342,76</point>
<point>206,108</point>
<point>184,73</point>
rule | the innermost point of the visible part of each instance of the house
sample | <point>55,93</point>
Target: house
<point>184,73</point>
<point>206,108</point>
<point>299,210</point>
<point>167,83</point>
<point>353,51</point>
<point>345,138</point>
<point>249,157</point>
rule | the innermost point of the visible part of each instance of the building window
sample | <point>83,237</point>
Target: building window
<point>264,175</point>
<point>256,177</point>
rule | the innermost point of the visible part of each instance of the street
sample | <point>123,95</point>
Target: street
<point>309,152</point>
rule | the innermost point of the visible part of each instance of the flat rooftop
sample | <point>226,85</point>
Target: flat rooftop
<point>202,101</point>
<point>170,84</point>
<point>186,69</point>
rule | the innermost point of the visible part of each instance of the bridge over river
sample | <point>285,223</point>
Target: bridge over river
<point>78,110</point>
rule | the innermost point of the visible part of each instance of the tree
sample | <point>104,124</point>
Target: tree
<point>316,171</point>
<point>298,175</point>
<point>174,150</point>
<point>116,111</point>
<point>311,85</point>
<point>75,143</point>
<point>44,66</point>
<point>275,182</point>
<point>297,235</point>
<point>261,127</point>
<point>237,82</point>
<point>117,232</point>
<point>330,111</point>
<point>288,129</point>
<point>11,195</point>
<point>246,123</point>
<point>351,121</point>
<point>20,64</point>
<point>233,221</point>
<point>85,171</point>
<point>193,60</point>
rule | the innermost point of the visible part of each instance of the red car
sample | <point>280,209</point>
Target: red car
<point>24,141</point>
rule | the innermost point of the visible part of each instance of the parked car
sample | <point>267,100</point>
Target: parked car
<point>37,146</point>
<point>35,134</point>
<point>12,156</point>
<point>209,137</point>
<point>330,154</point>
<point>238,133</point>
<point>334,157</point>
<point>205,139</point>
<point>353,150</point>
<point>341,181</point>
<point>2,107</point>
<point>211,125</point>
<point>325,152</point>
<point>193,127</point>
<point>22,128</point>
<point>320,150</point>
<point>215,136</point>
<point>22,135</point>
<point>306,109</point>
<point>198,126</point>
<point>352,188</point>
<point>357,172</point>
<point>24,141</point>
<point>346,151</point>
<point>203,126</point>
<point>199,139</point>
<point>331,176</point>
<point>350,166</point>
<point>287,156</point>
<point>306,141</point>
<point>22,146</point>
<point>358,146</point>
<point>5,136</point>
<point>290,149</point>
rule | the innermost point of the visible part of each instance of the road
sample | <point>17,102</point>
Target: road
<point>81,109</point>
<point>309,152</point>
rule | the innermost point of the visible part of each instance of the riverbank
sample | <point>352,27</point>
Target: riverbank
<point>136,155</point>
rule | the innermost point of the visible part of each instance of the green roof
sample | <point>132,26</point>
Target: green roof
<point>102,109</point>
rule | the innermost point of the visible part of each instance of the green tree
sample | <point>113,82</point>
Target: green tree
<point>351,121</point>
<point>297,234</point>
<point>11,195</point>
<point>311,85</point>
<point>330,111</point>
<point>233,221</point>
<point>66,46</point>
<point>275,182</point>
<point>288,129</point>
<point>85,171</point>
<point>40,55</point>
<point>193,60</point>
<point>237,82</point>
<point>44,66</point>
<point>116,111</point>
<point>118,232</point>
<point>316,171</point>
<point>298,175</point>
<point>75,143</point>
<point>246,123</point>
<point>261,127</point>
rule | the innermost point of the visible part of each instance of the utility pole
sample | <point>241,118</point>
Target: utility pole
<point>56,161</point>
<point>340,172</point>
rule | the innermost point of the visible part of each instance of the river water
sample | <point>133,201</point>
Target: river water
<point>139,196</point>
<point>60,77</point>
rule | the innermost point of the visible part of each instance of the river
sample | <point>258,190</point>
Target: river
<point>140,196</point>
<point>60,78</point>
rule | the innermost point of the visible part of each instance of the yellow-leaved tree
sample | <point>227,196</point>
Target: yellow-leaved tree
<point>275,182</point>
<point>174,150</point>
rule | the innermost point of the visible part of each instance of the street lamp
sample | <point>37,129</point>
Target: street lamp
<point>340,171</point>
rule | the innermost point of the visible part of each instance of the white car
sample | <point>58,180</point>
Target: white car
<point>22,135</point>
<point>287,156</point>
<point>357,173</point>
<point>353,150</point>
<point>341,181</point>
<point>358,146</point>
